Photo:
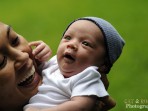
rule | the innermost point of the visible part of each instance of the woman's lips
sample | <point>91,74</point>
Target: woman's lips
<point>28,78</point>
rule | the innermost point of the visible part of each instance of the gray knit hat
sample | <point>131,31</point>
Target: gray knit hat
<point>114,42</point>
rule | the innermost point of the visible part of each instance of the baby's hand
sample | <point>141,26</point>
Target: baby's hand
<point>41,52</point>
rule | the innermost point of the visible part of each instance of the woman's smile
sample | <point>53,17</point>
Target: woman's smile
<point>28,77</point>
<point>19,75</point>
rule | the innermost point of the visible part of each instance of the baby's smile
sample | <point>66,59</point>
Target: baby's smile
<point>69,57</point>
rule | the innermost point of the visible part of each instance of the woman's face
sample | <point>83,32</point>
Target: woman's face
<point>18,75</point>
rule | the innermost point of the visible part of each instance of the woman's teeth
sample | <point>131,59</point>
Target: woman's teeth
<point>28,78</point>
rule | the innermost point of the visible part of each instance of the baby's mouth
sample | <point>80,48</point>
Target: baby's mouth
<point>28,78</point>
<point>69,56</point>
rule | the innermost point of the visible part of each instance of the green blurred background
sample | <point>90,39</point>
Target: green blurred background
<point>47,19</point>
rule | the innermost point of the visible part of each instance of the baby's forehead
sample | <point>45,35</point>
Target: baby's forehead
<point>89,25</point>
<point>87,29</point>
<point>85,24</point>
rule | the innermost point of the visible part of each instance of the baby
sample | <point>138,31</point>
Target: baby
<point>72,79</point>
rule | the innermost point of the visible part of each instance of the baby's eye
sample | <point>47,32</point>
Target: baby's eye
<point>15,41</point>
<point>3,62</point>
<point>86,43</point>
<point>67,37</point>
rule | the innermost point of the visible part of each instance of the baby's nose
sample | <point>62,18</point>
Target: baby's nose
<point>72,46</point>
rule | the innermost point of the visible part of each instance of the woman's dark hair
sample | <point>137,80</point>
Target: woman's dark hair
<point>106,66</point>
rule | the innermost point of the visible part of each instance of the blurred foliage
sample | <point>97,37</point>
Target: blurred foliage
<point>47,19</point>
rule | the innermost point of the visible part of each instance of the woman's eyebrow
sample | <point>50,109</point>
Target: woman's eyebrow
<point>8,31</point>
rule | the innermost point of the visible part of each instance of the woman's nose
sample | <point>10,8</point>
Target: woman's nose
<point>20,57</point>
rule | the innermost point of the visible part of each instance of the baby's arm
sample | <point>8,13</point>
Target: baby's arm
<point>85,103</point>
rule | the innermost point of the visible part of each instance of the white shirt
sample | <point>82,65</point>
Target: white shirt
<point>56,89</point>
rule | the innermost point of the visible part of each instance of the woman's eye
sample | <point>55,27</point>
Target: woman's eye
<point>67,38</point>
<point>15,41</point>
<point>3,63</point>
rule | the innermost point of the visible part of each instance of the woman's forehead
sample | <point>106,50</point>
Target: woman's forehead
<point>3,28</point>
<point>4,35</point>
<point>2,25</point>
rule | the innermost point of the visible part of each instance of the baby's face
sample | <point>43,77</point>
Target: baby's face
<point>18,78</point>
<point>81,46</point>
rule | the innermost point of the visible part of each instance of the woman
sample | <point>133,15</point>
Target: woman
<point>19,77</point>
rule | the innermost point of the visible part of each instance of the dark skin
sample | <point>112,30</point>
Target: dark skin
<point>111,102</point>
<point>105,103</point>
<point>16,65</point>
